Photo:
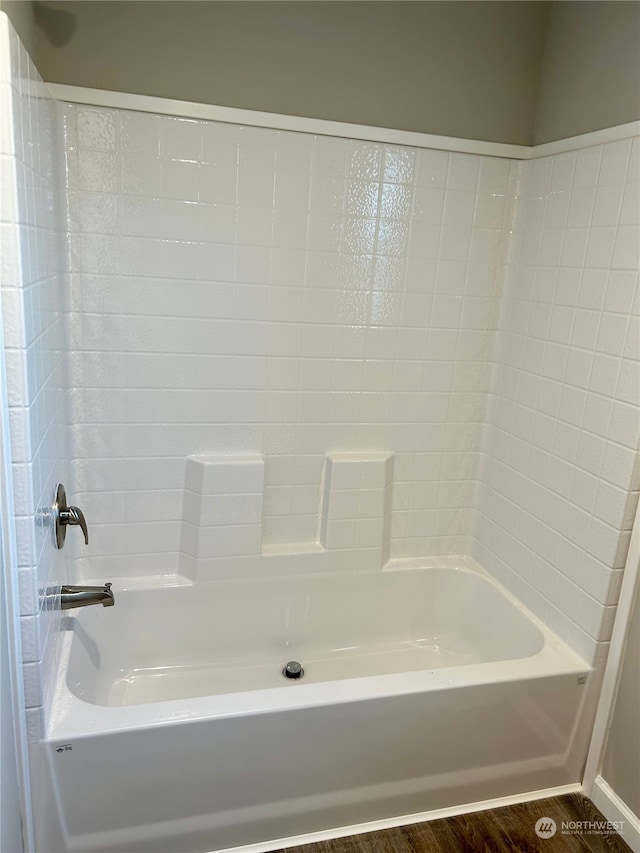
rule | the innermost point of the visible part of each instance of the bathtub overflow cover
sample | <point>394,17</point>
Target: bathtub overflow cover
<point>293,670</point>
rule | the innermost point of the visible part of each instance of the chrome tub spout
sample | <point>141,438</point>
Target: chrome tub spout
<point>81,596</point>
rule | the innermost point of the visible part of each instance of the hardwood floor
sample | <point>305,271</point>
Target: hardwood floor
<point>506,830</point>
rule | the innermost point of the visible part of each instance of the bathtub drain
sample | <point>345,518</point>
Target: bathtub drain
<point>293,669</point>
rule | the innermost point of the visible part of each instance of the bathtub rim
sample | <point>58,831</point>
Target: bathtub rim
<point>71,717</point>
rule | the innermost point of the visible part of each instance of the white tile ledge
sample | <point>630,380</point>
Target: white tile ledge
<point>300,124</point>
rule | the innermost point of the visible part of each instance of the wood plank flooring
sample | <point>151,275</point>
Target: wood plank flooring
<point>506,830</point>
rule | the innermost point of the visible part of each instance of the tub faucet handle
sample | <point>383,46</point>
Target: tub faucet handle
<point>74,515</point>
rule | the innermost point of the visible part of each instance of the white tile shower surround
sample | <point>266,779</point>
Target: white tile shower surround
<point>33,300</point>
<point>558,484</point>
<point>329,295</point>
<point>246,291</point>
<point>241,290</point>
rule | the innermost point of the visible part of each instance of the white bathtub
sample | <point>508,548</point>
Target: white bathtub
<point>423,689</point>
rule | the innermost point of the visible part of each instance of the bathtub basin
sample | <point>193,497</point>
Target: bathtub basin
<point>424,688</point>
<point>185,642</point>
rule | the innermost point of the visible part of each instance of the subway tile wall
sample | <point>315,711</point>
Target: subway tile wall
<point>236,290</point>
<point>559,480</point>
<point>244,291</point>
<point>33,289</point>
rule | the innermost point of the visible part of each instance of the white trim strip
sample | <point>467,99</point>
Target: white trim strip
<point>324,127</point>
<point>615,809</point>
<point>403,820</point>
<point>586,140</point>
<point>277,121</point>
<point>613,668</point>
<point>10,604</point>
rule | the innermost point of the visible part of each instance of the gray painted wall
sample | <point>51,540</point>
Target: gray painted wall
<point>467,69</point>
<point>521,72</point>
<point>20,13</point>
<point>590,76</point>
<point>621,766</point>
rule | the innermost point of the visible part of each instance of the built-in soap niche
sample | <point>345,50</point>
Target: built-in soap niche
<point>222,514</point>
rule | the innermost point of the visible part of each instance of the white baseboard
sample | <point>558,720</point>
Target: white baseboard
<point>614,809</point>
<point>403,820</point>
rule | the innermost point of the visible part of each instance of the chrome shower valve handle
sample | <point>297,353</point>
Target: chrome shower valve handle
<point>73,515</point>
<point>66,516</point>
